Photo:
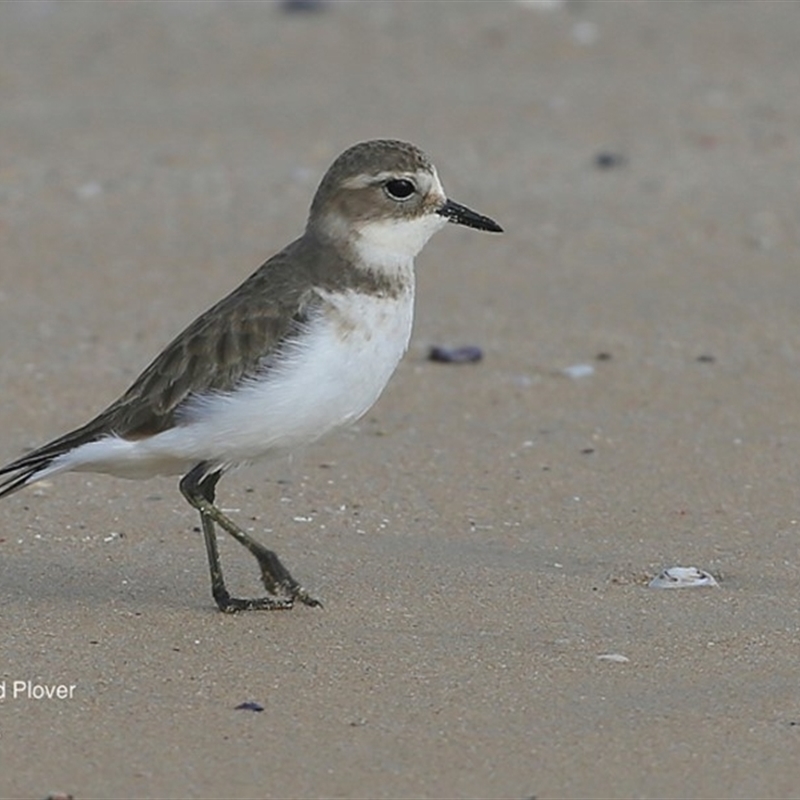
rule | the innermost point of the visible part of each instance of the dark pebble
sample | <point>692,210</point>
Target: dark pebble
<point>249,706</point>
<point>468,354</point>
<point>706,359</point>
<point>606,160</point>
<point>302,5</point>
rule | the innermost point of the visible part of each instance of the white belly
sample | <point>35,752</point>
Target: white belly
<point>327,378</point>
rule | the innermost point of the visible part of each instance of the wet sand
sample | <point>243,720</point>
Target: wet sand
<point>488,530</point>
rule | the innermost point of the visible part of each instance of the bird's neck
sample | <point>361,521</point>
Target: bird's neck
<point>339,265</point>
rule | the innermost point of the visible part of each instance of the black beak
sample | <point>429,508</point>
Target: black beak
<point>455,212</point>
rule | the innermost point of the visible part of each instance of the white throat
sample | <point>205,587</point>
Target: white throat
<point>389,244</point>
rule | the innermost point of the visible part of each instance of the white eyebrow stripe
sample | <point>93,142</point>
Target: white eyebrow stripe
<point>367,179</point>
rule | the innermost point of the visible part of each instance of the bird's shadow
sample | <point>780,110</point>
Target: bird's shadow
<point>63,579</point>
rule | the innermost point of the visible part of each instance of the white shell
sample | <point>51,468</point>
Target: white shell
<point>616,658</point>
<point>577,371</point>
<point>682,578</point>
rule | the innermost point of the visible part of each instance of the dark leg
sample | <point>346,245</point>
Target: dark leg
<point>198,487</point>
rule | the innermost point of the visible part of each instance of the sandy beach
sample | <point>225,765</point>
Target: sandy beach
<point>484,537</point>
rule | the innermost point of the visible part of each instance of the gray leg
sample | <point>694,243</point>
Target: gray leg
<point>198,487</point>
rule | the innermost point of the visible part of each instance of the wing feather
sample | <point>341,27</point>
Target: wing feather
<point>231,341</point>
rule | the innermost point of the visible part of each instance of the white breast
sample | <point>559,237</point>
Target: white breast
<point>328,377</point>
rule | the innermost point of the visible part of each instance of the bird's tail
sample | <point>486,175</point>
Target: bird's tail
<point>46,460</point>
<point>17,476</point>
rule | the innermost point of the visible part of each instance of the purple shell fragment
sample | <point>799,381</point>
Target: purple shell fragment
<point>468,354</point>
<point>249,706</point>
<point>302,5</point>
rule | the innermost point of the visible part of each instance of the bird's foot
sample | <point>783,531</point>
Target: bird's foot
<point>285,588</point>
<point>230,605</point>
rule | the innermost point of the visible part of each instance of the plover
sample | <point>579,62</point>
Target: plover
<point>304,346</point>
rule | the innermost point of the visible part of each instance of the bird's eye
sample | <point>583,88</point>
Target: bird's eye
<point>400,189</point>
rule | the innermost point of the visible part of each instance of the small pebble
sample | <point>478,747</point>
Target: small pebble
<point>302,5</point>
<point>607,160</point>
<point>616,658</point>
<point>87,191</point>
<point>468,354</point>
<point>585,32</point>
<point>578,371</point>
<point>682,578</point>
<point>249,706</point>
<point>542,5</point>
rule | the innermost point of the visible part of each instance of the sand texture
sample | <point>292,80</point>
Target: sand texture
<point>487,531</point>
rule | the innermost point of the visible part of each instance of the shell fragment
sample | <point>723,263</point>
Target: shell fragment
<point>682,578</point>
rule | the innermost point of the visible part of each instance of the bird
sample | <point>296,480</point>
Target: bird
<point>305,345</point>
